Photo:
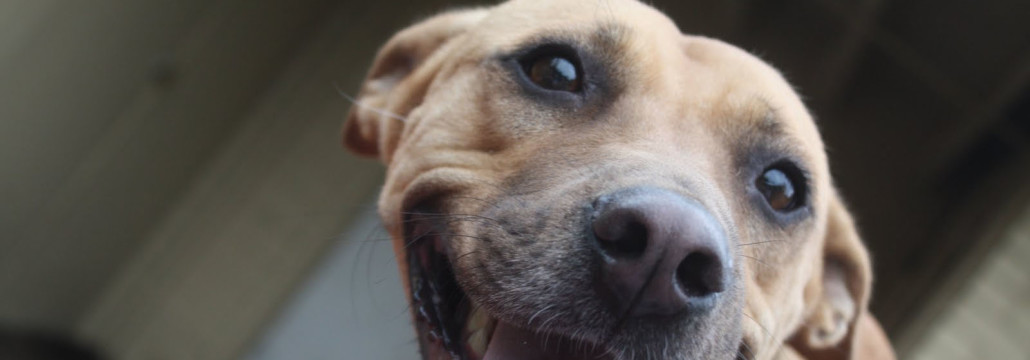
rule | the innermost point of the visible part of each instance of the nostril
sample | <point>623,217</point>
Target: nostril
<point>621,235</point>
<point>700,274</point>
<point>632,243</point>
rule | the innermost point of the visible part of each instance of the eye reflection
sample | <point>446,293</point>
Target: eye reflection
<point>554,72</point>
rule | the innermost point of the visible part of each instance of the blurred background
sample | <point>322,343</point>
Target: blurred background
<point>172,184</point>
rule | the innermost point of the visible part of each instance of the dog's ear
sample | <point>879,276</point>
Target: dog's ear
<point>398,80</point>
<point>838,297</point>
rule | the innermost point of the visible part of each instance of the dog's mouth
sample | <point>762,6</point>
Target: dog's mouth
<point>451,326</point>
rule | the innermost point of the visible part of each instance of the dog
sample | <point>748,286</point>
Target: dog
<point>577,179</point>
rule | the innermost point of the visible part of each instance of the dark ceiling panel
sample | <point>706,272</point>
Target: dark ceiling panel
<point>975,42</point>
<point>910,97</point>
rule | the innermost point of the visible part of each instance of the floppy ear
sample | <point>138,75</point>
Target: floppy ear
<point>396,84</point>
<point>838,325</point>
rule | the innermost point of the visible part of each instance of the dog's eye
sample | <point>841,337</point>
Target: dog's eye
<point>554,72</point>
<point>782,187</point>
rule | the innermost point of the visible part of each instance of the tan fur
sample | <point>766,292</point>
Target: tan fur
<point>449,122</point>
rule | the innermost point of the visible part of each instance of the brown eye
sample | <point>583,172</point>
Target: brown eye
<point>781,188</point>
<point>553,72</point>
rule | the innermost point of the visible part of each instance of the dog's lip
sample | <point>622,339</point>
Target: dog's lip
<point>435,298</point>
<point>449,326</point>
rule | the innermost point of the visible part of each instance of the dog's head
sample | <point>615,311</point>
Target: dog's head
<point>578,179</point>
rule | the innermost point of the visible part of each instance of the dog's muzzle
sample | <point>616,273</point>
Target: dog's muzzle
<point>661,258</point>
<point>662,254</point>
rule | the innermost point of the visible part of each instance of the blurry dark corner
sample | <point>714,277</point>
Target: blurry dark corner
<point>25,344</point>
<point>924,107</point>
<point>999,146</point>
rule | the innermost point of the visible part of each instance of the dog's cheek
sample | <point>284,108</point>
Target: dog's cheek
<point>776,297</point>
<point>531,246</point>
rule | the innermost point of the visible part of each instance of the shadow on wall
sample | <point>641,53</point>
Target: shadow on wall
<point>24,344</point>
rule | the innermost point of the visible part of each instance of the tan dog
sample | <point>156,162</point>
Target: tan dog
<point>579,180</point>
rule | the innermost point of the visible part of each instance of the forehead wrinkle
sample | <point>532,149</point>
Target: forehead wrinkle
<point>755,125</point>
<point>610,35</point>
<point>764,117</point>
<point>763,130</point>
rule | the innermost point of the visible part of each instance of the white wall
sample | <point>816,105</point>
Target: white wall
<point>990,315</point>
<point>351,307</point>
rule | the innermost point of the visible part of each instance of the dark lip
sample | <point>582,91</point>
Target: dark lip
<point>436,298</point>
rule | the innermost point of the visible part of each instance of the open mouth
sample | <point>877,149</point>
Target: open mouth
<point>449,326</point>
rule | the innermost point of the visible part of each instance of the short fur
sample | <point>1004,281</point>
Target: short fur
<point>444,111</point>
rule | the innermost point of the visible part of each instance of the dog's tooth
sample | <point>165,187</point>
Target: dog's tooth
<point>423,313</point>
<point>477,320</point>
<point>478,329</point>
<point>477,342</point>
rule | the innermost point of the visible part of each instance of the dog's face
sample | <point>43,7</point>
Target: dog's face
<point>578,179</point>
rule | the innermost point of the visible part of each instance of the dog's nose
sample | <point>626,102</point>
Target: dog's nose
<point>662,253</point>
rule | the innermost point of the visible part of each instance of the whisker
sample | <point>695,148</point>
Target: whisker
<point>768,333</point>
<point>538,312</point>
<point>417,238</point>
<point>454,218</point>
<point>354,273</point>
<point>493,205</point>
<point>445,216</point>
<point>375,240</point>
<point>376,110</point>
<point>459,257</point>
<point>464,236</point>
<point>756,260</point>
<point>760,242</point>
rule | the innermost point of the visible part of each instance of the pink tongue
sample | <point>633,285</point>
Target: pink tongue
<point>512,343</point>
